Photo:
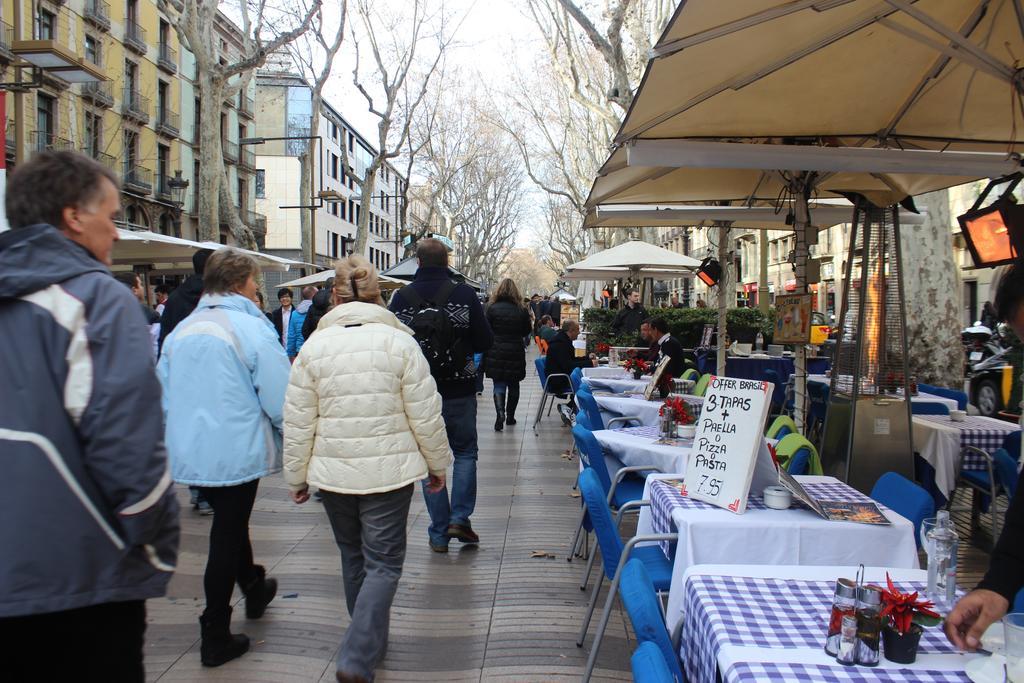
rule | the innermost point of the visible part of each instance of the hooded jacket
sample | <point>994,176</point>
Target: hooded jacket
<point>224,374</point>
<point>295,338</point>
<point>321,304</point>
<point>362,413</point>
<point>87,512</point>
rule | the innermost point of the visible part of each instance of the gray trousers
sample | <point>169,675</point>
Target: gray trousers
<point>370,532</point>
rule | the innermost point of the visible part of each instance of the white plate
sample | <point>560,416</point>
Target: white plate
<point>987,669</point>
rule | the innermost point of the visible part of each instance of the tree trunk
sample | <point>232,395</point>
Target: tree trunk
<point>931,281</point>
<point>306,237</point>
<point>365,200</point>
<point>211,158</point>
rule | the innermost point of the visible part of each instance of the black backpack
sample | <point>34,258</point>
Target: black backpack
<point>434,331</point>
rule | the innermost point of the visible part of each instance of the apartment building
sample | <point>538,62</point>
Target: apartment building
<point>283,106</point>
<point>128,122</point>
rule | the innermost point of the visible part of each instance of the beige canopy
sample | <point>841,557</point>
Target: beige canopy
<point>167,254</point>
<point>881,98</point>
<point>744,217</point>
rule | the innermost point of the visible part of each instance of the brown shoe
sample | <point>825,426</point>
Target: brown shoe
<point>463,532</point>
<point>350,678</point>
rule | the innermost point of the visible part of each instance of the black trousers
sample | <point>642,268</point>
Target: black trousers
<point>230,558</point>
<point>96,643</point>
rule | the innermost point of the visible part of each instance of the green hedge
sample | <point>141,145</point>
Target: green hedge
<point>686,324</point>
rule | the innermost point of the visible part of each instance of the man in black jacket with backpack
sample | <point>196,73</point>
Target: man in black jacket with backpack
<point>449,342</point>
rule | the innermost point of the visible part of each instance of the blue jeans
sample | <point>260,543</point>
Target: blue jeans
<point>460,422</point>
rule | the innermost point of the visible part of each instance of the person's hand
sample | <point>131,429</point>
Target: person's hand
<point>435,483</point>
<point>975,612</point>
<point>300,497</point>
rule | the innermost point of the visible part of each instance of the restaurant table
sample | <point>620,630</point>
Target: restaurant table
<point>712,535</point>
<point>622,405</point>
<point>638,446</point>
<point>744,623</point>
<point>606,372</point>
<point>617,386</point>
<point>939,441</point>
<point>921,397</point>
<point>753,368</point>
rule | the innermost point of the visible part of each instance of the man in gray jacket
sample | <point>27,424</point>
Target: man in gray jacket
<point>88,518</point>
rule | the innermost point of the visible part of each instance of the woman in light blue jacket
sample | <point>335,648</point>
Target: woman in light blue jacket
<point>224,375</point>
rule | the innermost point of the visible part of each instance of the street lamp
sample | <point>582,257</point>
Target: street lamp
<point>178,185</point>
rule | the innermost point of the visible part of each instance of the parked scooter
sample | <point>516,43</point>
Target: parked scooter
<point>989,375</point>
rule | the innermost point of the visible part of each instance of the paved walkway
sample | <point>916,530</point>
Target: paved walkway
<point>487,614</point>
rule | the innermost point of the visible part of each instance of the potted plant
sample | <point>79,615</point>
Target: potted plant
<point>638,366</point>
<point>686,427</point>
<point>904,619</point>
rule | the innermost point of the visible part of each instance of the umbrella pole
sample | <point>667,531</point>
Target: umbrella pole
<point>800,187</point>
<point>725,288</point>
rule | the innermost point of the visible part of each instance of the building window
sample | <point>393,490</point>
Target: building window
<point>46,25</point>
<point>163,160</point>
<point>162,101</point>
<point>243,193</point>
<point>131,149</point>
<point>46,118</point>
<point>93,133</point>
<point>92,50</point>
<point>131,76</point>
<point>261,183</point>
<point>298,110</point>
<point>334,165</point>
<point>334,245</point>
<point>334,131</point>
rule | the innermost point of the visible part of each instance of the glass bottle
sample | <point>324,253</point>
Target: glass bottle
<point>869,624</point>
<point>943,545</point>
<point>844,604</point>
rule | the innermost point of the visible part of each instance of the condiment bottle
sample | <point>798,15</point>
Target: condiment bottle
<point>844,604</point>
<point>847,644</point>
<point>667,422</point>
<point>869,624</point>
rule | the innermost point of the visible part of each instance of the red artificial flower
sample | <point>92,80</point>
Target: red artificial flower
<point>904,609</point>
<point>602,347</point>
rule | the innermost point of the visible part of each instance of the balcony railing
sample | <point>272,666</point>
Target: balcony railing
<point>167,58</point>
<point>135,106</point>
<point>163,186</point>
<point>246,106</point>
<point>135,37</point>
<point>97,13</point>
<point>230,151</point>
<point>168,123</point>
<point>6,39</point>
<point>42,140</point>
<point>138,178</point>
<point>100,93</point>
<point>247,158</point>
<point>106,159</point>
<point>256,221</point>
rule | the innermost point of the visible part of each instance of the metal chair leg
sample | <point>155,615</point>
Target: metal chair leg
<point>590,613</point>
<point>576,536</point>
<point>601,626</point>
<point>540,411</point>
<point>590,567</point>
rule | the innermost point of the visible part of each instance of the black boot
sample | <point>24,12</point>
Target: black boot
<point>511,403</point>
<point>219,645</point>
<point>499,408</point>
<point>258,594</point>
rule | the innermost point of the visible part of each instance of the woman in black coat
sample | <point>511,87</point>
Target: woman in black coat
<point>505,362</point>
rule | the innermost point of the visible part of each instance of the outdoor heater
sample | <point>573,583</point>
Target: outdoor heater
<point>868,425</point>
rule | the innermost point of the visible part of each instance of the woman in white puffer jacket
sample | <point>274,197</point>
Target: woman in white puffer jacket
<point>362,422</point>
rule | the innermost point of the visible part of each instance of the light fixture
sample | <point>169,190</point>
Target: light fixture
<point>738,155</point>
<point>995,234</point>
<point>710,271</point>
<point>178,185</point>
<point>253,141</point>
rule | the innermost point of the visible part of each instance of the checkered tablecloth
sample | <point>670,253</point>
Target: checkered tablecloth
<point>985,433</point>
<point>646,431</point>
<point>776,614</point>
<point>784,671</point>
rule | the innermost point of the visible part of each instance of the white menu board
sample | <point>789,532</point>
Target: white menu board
<point>729,436</point>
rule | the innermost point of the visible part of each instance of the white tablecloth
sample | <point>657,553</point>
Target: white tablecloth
<point>939,441</point>
<point>621,405</point>
<point>812,661</point>
<point>779,537</point>
<point>618,386</point>
<point>640,449</point>
<point>606,373</point>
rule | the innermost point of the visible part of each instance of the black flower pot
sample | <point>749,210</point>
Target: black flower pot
<point>663,390</point>
<point>638,373</point>
<point>901,647</point>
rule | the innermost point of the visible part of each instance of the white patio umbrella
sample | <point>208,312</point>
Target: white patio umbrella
<point>746,217</point>
<point>323,276</point>
<point>636,256</point>
<point>167,254</point>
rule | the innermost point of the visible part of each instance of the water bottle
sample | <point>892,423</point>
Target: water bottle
<point>759,341</point>
<point>943,545</point>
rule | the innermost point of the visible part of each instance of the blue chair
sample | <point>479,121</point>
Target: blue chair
<point>929,408</point>
<point>645,613</point>
<point>548,398</point>
<point>576,379</point>
<point>1011,444</point>
<point>1000,474</point>
<point>614,555</point>
<point>1018,602</point>
<point>625,487</point>
<point>649,665</point>
<point>799,463</point>
<point>778,396</point>
<point>906,498</point>
<point>817,395</point>
<point>588,404</point>
<point>958,396</point>
<point>583,420</point>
